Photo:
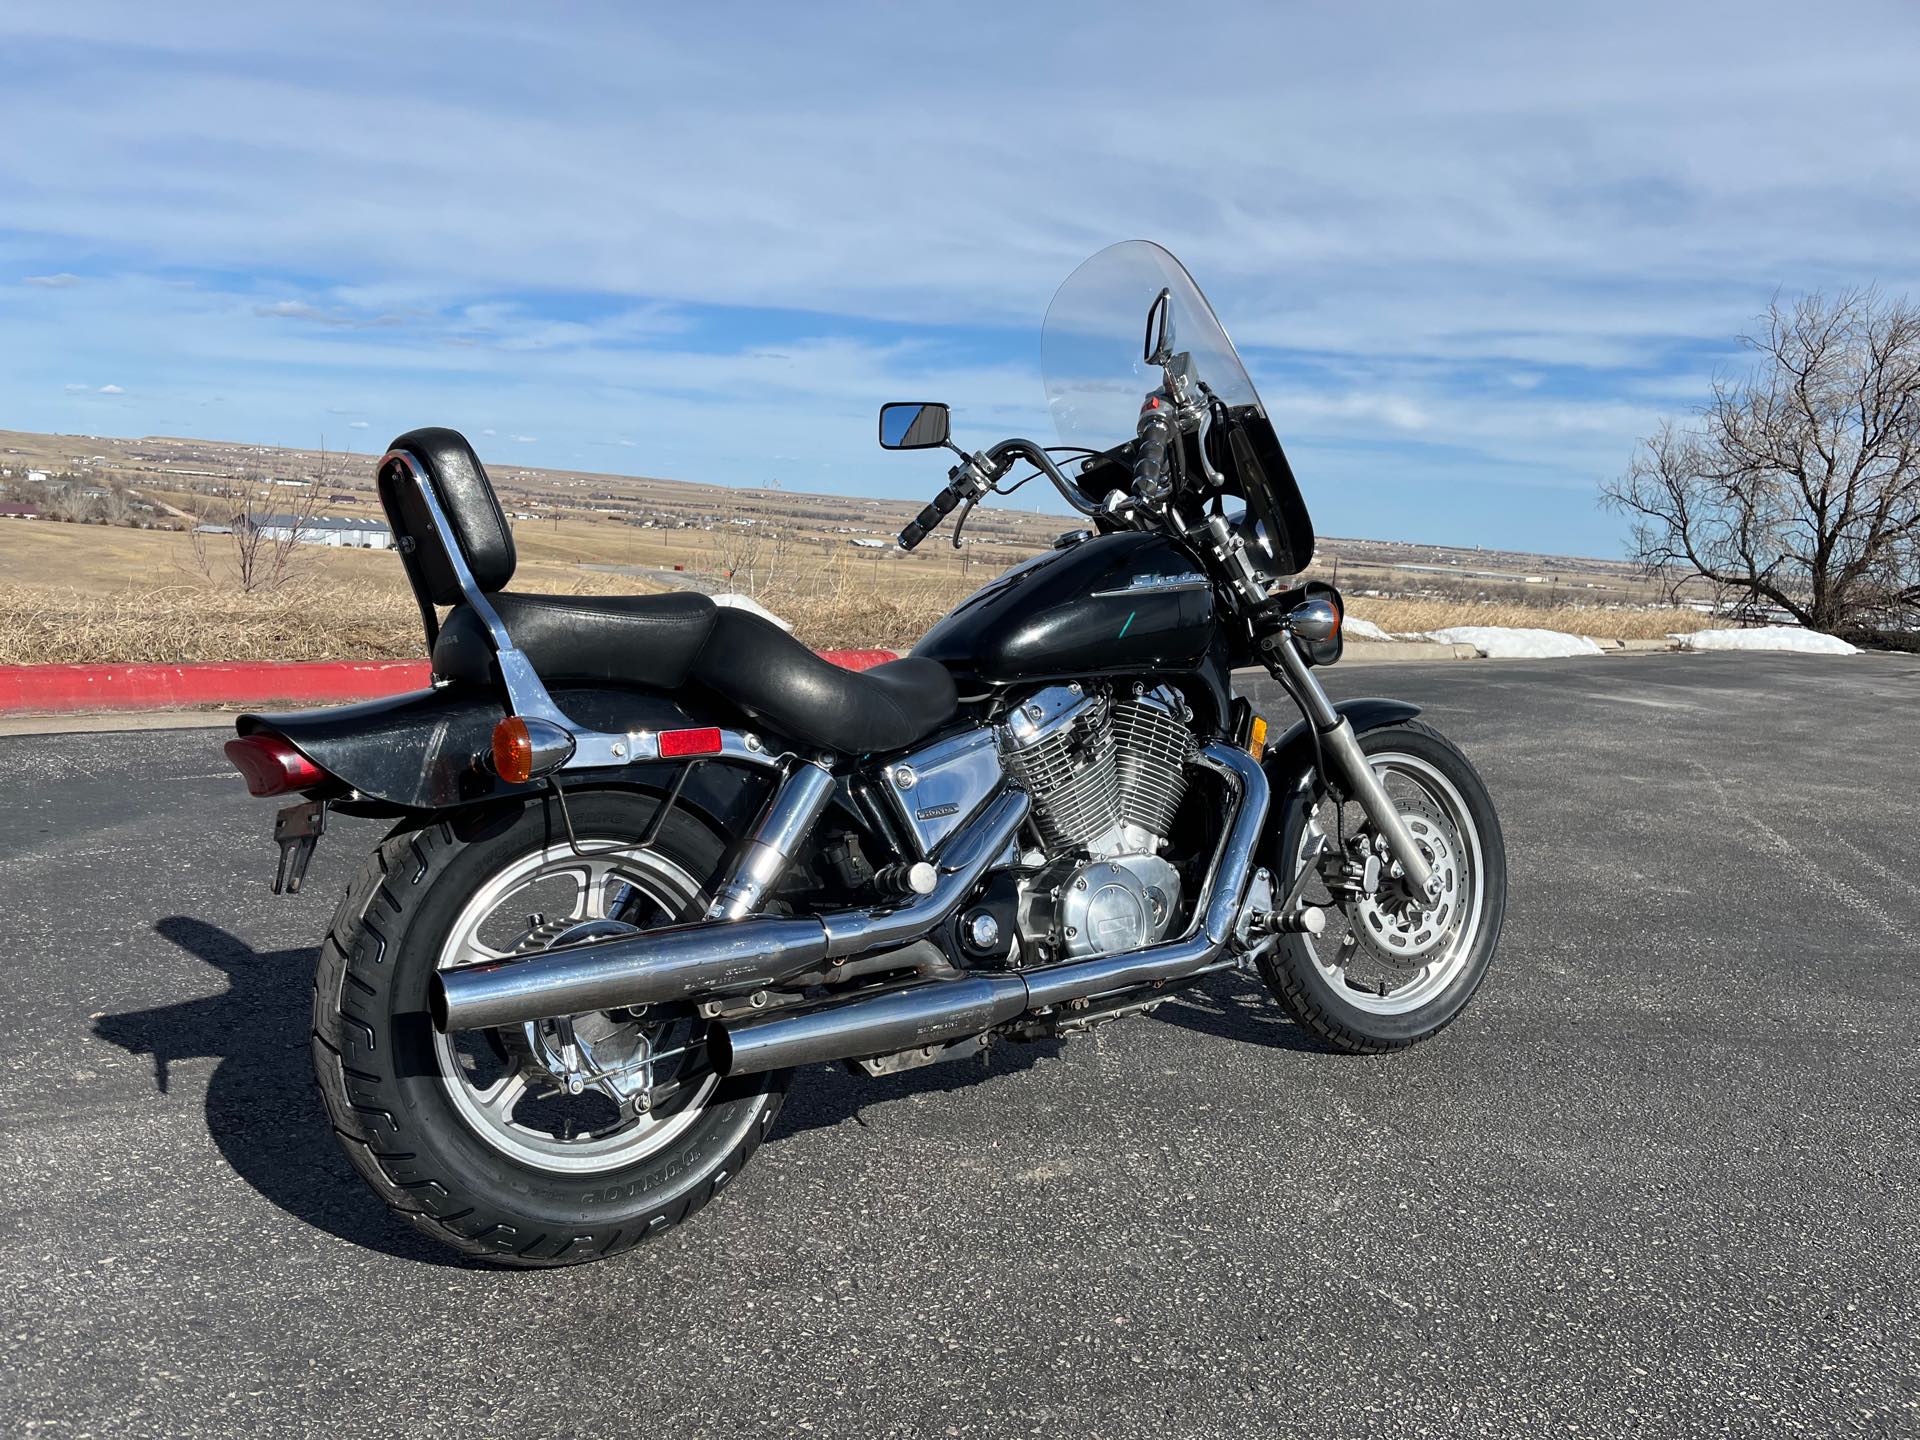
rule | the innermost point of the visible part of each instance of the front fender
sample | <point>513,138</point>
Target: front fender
<point>1289,762</point>
<point>421,752</point>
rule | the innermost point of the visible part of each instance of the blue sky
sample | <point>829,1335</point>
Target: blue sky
<point>1470,252</point>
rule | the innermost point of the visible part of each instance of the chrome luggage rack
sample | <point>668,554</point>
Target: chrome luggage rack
<point>527,695</point>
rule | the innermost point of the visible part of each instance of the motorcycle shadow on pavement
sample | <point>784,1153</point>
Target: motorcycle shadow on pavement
<point>263,1114</point>
<point>262,1109</point>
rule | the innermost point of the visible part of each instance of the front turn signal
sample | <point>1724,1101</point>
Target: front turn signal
<point>1257,738</point>
<point>526,749</point>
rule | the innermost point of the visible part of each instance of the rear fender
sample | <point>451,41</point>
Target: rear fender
<point>424,751</point>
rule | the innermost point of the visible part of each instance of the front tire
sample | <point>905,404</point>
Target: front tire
<point>1385,975</point>
<point>433,1123</point>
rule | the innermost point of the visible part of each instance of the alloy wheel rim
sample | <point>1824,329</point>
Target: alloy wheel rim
<point>1426,952</point>
<point>496,1079</point>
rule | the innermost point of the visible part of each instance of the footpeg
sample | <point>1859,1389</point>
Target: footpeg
<point>1307,920</point>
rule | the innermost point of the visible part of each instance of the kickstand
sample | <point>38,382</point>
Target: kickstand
<point>1315,848</point>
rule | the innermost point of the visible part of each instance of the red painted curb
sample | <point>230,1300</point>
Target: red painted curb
<point>79,689</point>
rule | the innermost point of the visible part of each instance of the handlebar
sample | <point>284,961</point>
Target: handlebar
<point>993,462</point>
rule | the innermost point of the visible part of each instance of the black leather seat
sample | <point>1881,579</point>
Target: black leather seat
<point>650,642</point>
<point>668,642</point>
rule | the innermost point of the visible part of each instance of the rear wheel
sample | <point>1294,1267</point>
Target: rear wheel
<point>1388,971</point>
<point>548,1143</point>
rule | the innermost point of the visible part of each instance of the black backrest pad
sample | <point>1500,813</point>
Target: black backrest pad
<point>480,529</point>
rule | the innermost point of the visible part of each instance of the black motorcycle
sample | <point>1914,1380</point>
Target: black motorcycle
<point>651,854</point>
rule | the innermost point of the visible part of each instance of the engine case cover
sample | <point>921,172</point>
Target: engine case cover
<point>1109,906</point>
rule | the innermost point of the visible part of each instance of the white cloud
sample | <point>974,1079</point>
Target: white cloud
<point>356,424</point>
<point>292,310</point>
<point>1387,150</point>
<point>1501,240</point>
<point>111,390</point>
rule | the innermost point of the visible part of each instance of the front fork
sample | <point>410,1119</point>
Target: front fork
<point>1341,752</point>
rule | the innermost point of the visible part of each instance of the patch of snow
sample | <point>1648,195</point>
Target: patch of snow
<point>1768,637</point>
<point>742,602</point>
<point>1501,642</point>
<point>1354,628</point>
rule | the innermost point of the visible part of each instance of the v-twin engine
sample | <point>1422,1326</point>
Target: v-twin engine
<point>1106,775</point>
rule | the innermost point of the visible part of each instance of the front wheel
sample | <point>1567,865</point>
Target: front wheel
<point>540,1144</point>
<point>1387,971</point>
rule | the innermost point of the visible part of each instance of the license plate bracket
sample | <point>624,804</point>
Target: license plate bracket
<point>296,830</point>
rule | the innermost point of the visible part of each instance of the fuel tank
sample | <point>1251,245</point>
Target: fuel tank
<point>1121,603</point>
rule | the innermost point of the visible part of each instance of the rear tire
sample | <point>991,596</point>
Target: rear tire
<point>383,1077</point>
<point>1304,972</point>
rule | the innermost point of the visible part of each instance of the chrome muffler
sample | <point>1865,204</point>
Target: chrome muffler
<point>710,957</point>
<point>895,1020</point>
<point>881,1024</point>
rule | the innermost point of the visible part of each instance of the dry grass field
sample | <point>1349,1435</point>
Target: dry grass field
<point>1649,623</point>
<point>89,592</point>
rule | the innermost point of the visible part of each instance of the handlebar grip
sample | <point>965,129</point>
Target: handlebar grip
<point>928,520</point>
<point>1150,460</point>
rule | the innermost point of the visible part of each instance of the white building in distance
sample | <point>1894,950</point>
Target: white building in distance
<point>342,534</point>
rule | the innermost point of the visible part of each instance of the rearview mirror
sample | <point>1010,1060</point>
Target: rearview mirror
<point>913,425</point>
<point>1158,348</point>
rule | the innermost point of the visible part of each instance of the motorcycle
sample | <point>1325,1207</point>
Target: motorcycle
<point>651,855</point>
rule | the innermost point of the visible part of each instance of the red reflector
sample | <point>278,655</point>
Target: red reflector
<point>271,765</point>
<point>689,742</point>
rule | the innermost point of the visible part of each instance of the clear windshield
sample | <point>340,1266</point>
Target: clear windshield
<point>1091,346</point>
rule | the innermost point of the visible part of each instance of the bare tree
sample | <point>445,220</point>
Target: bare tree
<point>263,524</point>
<point>1797,487</point>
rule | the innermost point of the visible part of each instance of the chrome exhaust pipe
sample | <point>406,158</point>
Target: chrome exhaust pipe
<point>709,957</point>
<point>669,964</point>
<point>955,1009</point>
<point>879,1025</point>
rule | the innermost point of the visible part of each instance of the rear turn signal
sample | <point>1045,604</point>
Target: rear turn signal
<point>525,749</point>
<point>513,751</point>
<point>271,765</point>
<point>1257,738</point>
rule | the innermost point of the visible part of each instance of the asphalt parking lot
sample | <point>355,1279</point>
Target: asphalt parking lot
<point>1659,1180</point>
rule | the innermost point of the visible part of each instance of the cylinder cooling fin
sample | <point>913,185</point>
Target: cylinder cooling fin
<point>1153,745</point>
<point>1094,764</point>
<point>1060,750</point>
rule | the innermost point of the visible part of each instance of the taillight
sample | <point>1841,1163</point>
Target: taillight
<point>272,766</point>
<point>676,743</point>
